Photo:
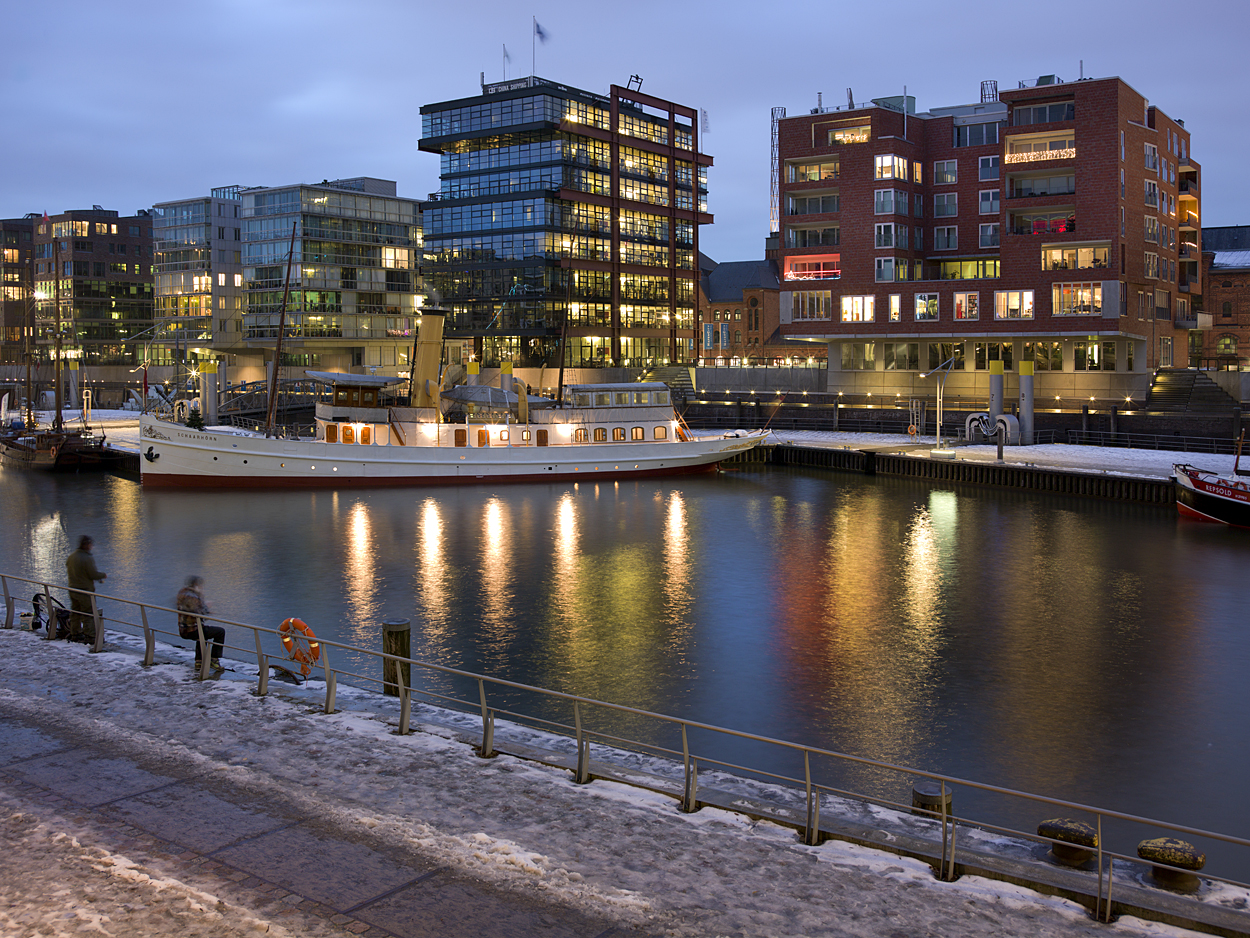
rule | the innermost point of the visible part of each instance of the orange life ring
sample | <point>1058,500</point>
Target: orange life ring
<point>912,431</point>
<point>54,452</point>
<point>300,644</point>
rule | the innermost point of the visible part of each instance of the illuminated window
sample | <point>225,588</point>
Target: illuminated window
<point>1013,304</point>
<point>967,306</point>
<point>661,433</point>
<point>1076,299</point>
<point>581,435</point>
<point>858,308</point>
<point>637,433</point>
<point>618,434</point>
<point>601,435</point>
<point>926,307</point>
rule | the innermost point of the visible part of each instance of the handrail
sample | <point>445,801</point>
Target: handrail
<point>686,759</point>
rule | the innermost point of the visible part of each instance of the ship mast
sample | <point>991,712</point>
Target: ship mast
<point>277,351</point>
<point>29,331</point>
<point>58,423</point>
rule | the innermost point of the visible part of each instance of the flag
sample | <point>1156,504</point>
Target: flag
<point>540,32</point>
<point>506,57</point>
<point>703,115</point>
<point>47,225</point>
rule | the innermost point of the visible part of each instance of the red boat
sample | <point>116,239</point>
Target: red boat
<point>1213,496</point>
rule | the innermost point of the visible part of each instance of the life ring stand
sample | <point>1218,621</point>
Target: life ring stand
<point>912,431</point>
<point>300,643</point>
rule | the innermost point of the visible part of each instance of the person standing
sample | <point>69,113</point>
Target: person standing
<point>191,611</point>
<point>82,573</point>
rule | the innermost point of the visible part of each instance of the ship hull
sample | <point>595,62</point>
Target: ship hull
<point>1208,496</point>
<point>172,456</point>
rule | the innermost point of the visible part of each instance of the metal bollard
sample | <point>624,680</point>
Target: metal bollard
<point>396,640</point>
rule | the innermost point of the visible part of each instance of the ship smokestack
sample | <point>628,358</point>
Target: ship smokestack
<point>426,358</point>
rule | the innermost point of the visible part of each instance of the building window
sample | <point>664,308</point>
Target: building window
<point>926,307</point>
<point>1152,228</point>
<point>985,352</point>
<point>884,236</point>
<point>661,433</point>
<point>915,173</point>
<point>1013,304</point>
<point>919,206</point>
<point>889,201</point>
<point>896,307</point>
<point>946,239</point>
<point>1121,183</point>
<point>884,270</point>
<point>849,135</point>
<point>1151,264</point>
<point>1092,355</point>
<point>890,167</point>
<point>601,435</point>
<point>989,235</point>
<point>976,135</point>
<point>986,268</point>
<point>859,356</point>
<point>944,172</point>
<point>1076,299</point>
<point>1121,146</point>
<point>813,270</point>
<point>812,237</point>
<point>812,172</point>
<point>1152,157</point>
<point>858,309</point>
<point>987,168</point>
<point>946,204</point>
<point>989,202</point>
<point>919,242</point>
<point>1226,309</point>
<point>901,356</point>
<point>967,306</point>
<point>1152,193</point>
<point>1226,345</point>
<point>942,352</point>
<point>811,305</point>
<point>1094,256</point>
<point>1042,113</point>
<point>1046,356</point>
<point>637,433</point>
<point>813,205</point>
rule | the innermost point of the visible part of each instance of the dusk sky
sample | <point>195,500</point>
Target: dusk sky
<point>124,104</point>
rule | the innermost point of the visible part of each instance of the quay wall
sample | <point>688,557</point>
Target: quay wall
<point>1029,478</point>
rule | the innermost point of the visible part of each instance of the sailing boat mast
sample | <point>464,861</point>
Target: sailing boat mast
<point>277,351</point>
<point>29,332</point>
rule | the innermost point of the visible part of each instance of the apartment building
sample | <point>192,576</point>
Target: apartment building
<point>17,244</point>
<point>566,217</point>
<point>1056,223</point>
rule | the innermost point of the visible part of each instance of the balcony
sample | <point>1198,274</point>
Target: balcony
<point>1188,222</point>
<point>1033,194</point>
<point>1188,188</point>
<point>1045,227</point>
<point>1035,156</point>
<point>1188,250</point>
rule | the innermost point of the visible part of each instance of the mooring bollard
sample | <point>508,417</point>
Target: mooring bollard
<point>1079,840</point>
<point>396,640</point>
<point>1174,853</point>
<point>926,799</point>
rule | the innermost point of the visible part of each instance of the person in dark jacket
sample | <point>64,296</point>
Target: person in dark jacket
<point>82,573</point>
<point>191,610</point>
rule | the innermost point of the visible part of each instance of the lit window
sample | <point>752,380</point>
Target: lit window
<point>1013,304</point>
<point>926,307</point>
<point>967,306</point>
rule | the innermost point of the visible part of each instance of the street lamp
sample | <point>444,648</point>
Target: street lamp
<point>945,369</point>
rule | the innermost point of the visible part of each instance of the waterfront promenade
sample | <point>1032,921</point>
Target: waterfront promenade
<point>142,802</point>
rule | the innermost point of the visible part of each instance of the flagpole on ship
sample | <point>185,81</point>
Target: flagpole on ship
<point>277,351</point>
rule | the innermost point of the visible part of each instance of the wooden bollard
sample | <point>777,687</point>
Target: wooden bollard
<point>1079,840</point>
<point>396,640</point>
<point>1173,852</point>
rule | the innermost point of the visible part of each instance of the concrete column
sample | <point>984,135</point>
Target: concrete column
<point>996,390</point>
<point>1026,403</point>
<point>208,393</point>
<point>71,374</point>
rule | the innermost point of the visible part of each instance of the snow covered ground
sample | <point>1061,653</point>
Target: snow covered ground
<point>607,849</point>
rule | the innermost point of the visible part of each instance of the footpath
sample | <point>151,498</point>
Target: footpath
<point>141,802</point>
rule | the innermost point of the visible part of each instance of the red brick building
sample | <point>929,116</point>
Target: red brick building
<point>1055,223</point>
<point>1226,262</point>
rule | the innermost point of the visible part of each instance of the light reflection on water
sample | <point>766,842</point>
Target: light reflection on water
<point>1091,651</point>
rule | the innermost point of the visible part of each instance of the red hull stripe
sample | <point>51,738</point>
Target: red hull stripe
<point>171,481</point>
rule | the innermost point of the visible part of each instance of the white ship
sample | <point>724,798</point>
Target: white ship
<point>453,435</point>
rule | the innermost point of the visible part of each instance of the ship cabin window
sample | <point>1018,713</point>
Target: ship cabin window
<point>503,436</point>
<point>483,437</point>
<point>622,398</point>
<point>368,397</point>
<point>349,433</point>
<point>525,436</point>
<point>661,433</point>
<point>462,437</point>
<point>332,432</point>
<point>642,397</point>
<point>603,400</point>
<point>581,435</point>
<point>618,434</point>
<point>366,435</point>
<point>601,435</point>
<point>581,400</point>
<point>661,397</point>
<point>355,397</point>
<point>637,433</point>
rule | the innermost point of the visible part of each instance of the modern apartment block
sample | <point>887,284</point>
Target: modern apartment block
<point>93,276</point>
<point>17,245</point>
<point>564,212</point>
<point>1056,223</point>
<point>199,276</point>
<point>355,287</point>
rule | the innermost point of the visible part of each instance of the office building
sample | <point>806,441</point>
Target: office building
<point>1056,223</point>
<point>16,286</point>
<point>93,278</point>
<point>564,213</point>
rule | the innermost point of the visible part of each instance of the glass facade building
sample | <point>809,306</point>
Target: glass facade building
<point>355,274</point>
<point>564,214</point>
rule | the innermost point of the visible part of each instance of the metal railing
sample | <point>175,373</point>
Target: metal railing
<point>1184,444</point>
<point>798,797</point>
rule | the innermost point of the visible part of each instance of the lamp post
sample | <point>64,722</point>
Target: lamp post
<point>945,370</point>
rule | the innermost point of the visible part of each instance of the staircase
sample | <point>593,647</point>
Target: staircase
<point>677,378</point>
<point>1184,391</point>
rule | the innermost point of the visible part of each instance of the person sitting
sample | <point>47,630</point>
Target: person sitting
<point>191,611</point>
